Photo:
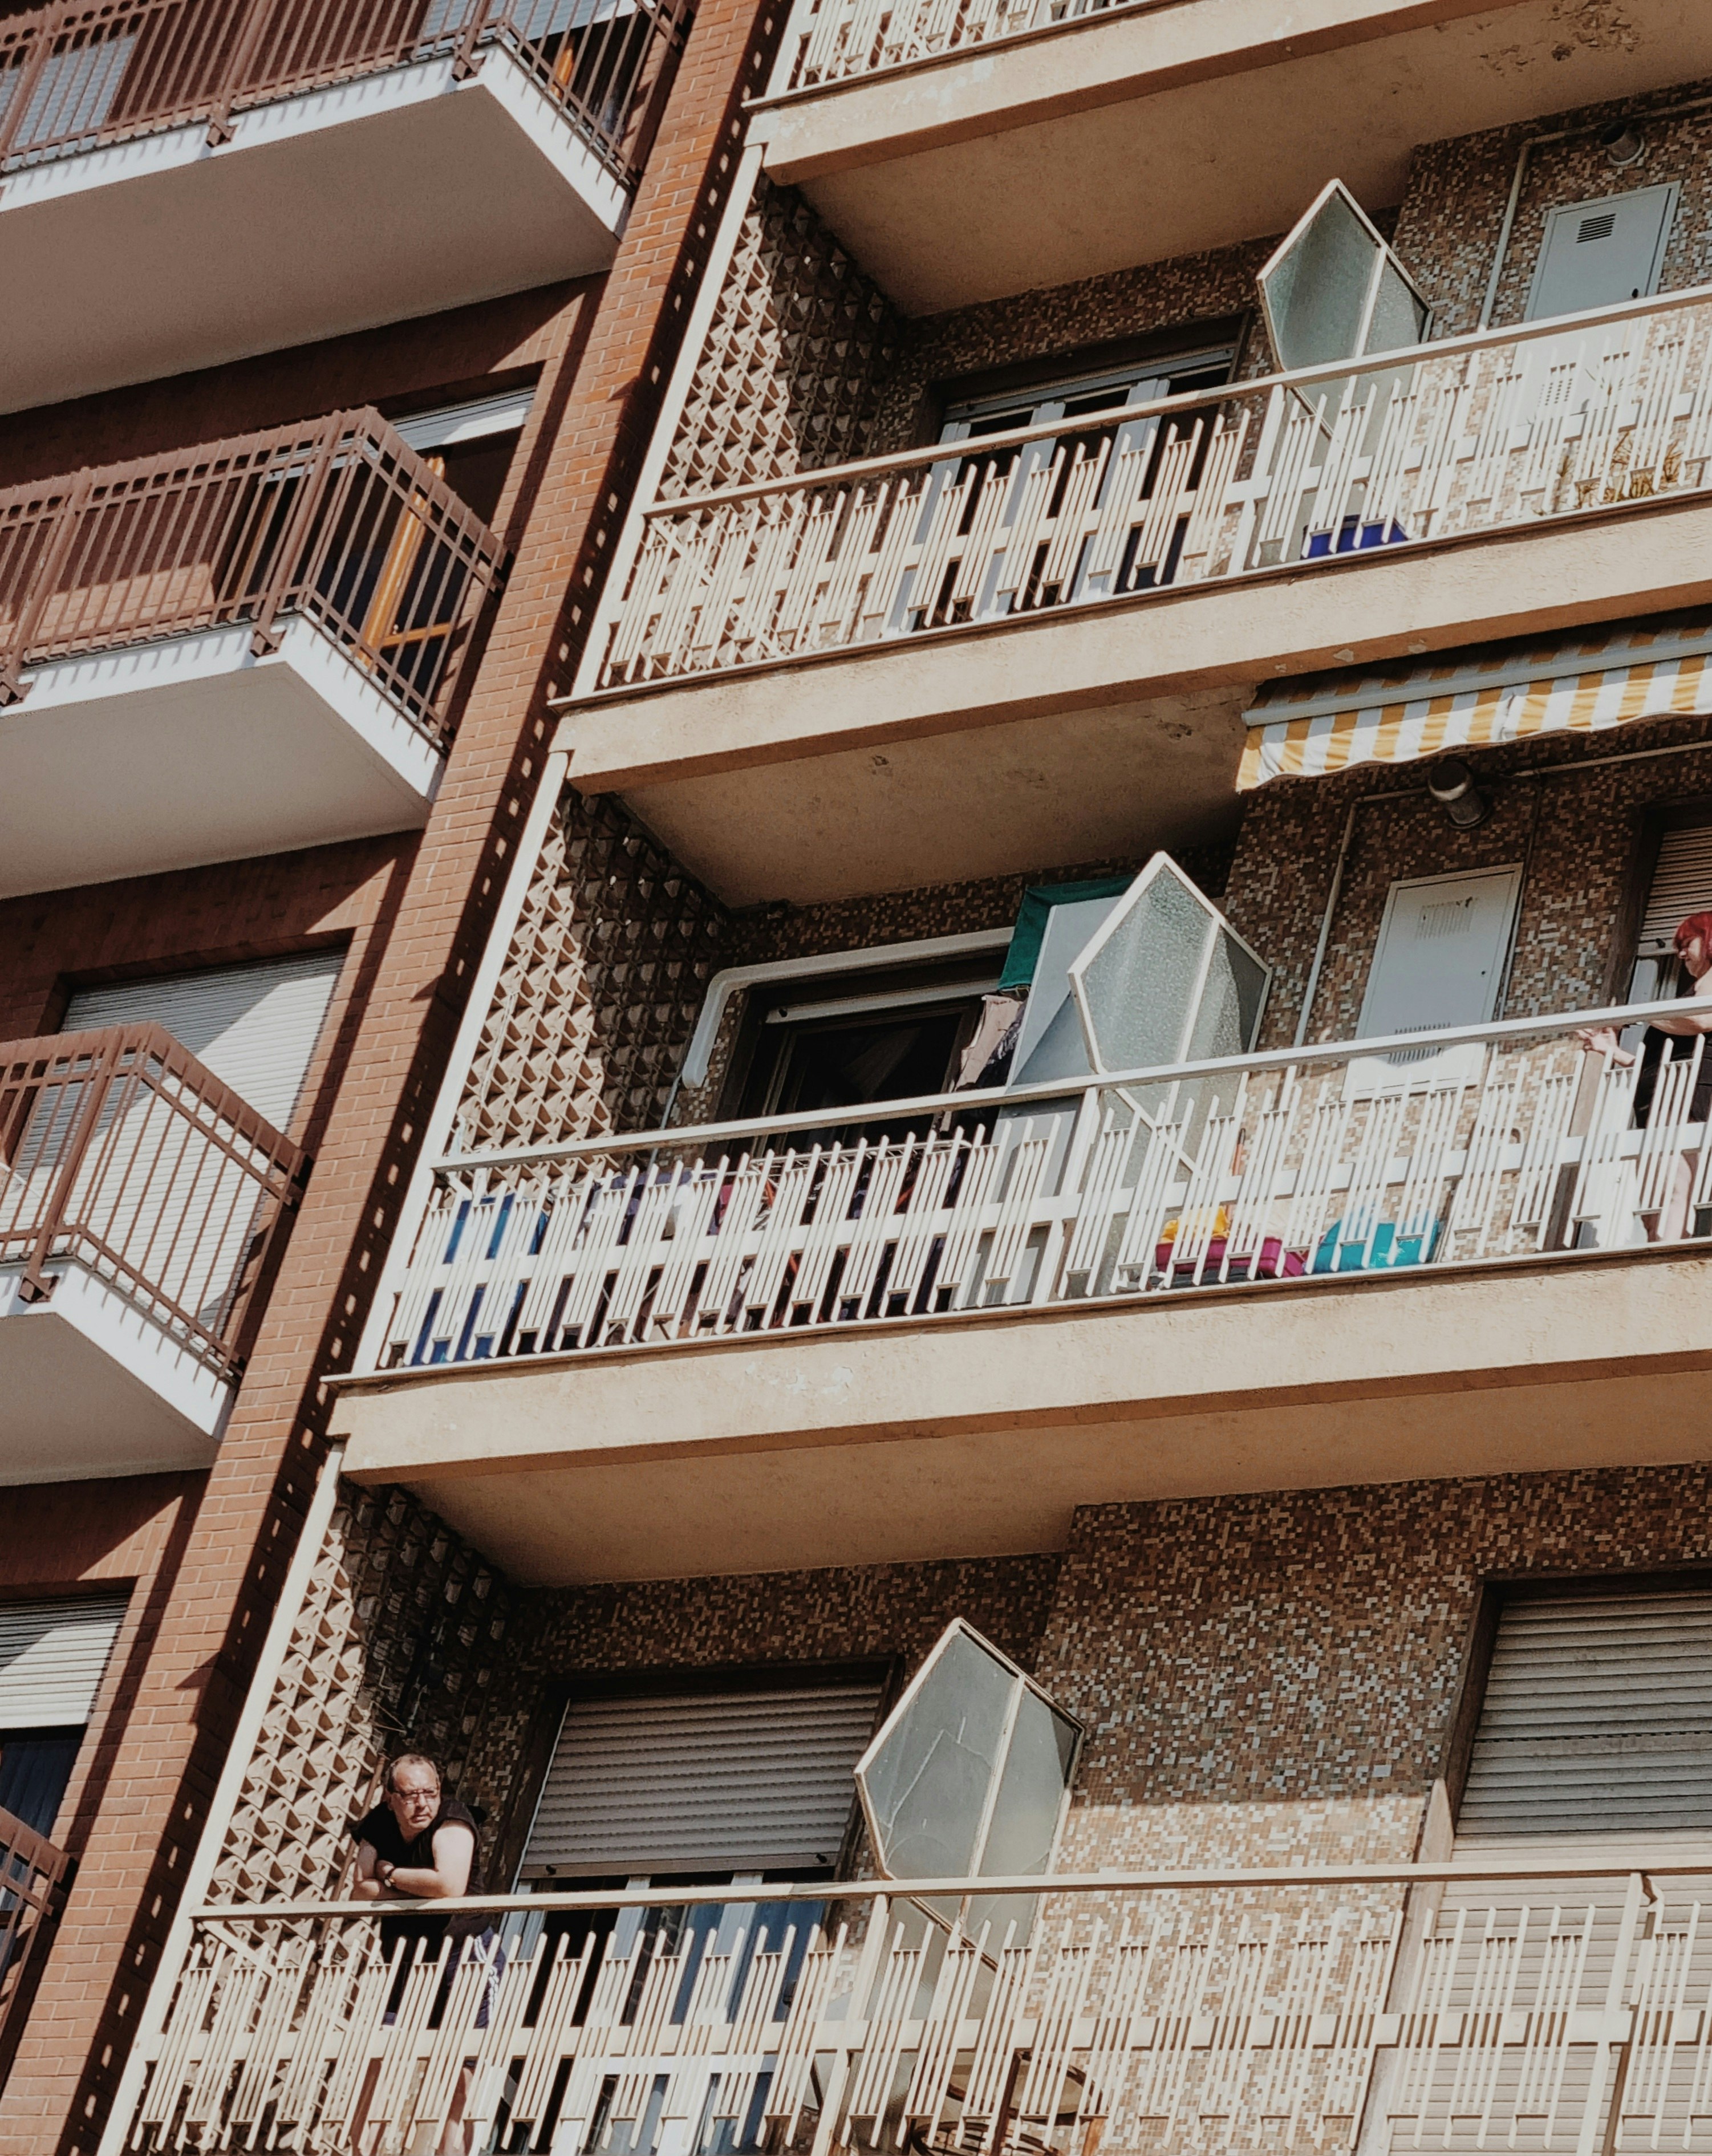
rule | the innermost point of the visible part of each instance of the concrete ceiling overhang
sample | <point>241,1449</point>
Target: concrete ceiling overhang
<point>1136,135</point>
<point>981,1434</point>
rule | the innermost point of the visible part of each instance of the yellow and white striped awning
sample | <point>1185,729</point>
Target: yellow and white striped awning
<point>1479,698</point>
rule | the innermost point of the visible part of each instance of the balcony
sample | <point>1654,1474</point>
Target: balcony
<point>749,1347</point>
<point>179,176</point>
<point>1224,2010</point>
<point>235,650</point>
<point>1077,123</point>
<point>35,1875</point>
<point>142,1205</point>
<point>807,688</point>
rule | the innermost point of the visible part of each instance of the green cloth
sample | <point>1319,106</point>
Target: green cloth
<point>1037,902</point>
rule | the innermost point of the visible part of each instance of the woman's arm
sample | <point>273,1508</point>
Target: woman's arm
<point>453,1856</point>
<point>1686,1022</point>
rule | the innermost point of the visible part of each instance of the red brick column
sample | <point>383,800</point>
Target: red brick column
<point>594,412</point>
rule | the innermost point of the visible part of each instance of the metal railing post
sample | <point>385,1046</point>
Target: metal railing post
<point>23,91</point>
<point>40,589</point>
<point>35,1285</point>
<point>219,125</point>
<point>466,59</point>
<point>272,599</point>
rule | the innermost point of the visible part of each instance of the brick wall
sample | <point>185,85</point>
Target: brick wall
<point>395,365</point>
<point>52,942</point>
<point>589,427</point>
<point>73,1538</point>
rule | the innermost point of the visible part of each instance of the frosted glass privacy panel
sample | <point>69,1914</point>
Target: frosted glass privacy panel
<point>1334,290</point>
<point>969,1774</point>
<point>1166,979</point>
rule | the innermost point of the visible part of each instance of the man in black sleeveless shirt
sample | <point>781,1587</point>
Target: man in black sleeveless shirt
<point>418,1846</point>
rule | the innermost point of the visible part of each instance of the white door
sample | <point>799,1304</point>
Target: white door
<point>1595,253</point>
<point>1439,962</point>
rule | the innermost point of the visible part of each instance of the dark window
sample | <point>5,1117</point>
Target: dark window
<point>35,1769</point>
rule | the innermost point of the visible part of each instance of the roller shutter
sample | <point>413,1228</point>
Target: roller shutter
<point>1681,884</point>
<point>255,1027</point>
<point>1597,1722</point>
<point>736,1781</point>
<point>52,1658</point>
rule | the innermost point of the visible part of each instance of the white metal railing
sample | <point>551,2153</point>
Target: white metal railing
<point>1476,1144</point>
<point>1541,2003</point>
<point>1504,428</point>
<point>830,40</point>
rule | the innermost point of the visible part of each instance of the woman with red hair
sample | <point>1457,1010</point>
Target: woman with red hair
<point>1671,1038</point>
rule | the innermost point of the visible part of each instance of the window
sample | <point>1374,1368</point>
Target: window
<point>471,444</point>
<point>1081,394</point>
<point>1595,253</point>
<point>1681,884</point>
<point>894,1032</point>
<point>254,1027</point>
<point>749,1780</point>
<point>52,1656</point>
<point>1595,1722</point>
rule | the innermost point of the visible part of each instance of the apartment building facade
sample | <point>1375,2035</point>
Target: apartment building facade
<point>1052,1259</point>
<point>334,335</point>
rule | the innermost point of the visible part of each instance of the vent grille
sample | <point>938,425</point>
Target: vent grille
<point>1596,228</point>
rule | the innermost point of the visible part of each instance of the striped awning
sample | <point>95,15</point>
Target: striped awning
<point>1479,698</point>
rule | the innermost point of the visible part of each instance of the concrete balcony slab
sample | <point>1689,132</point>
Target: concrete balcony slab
<point>1079,732</point>
<point>191,749</point>
<point>1080,136</point>
<point>981,1433</point>
<point>397,194</point>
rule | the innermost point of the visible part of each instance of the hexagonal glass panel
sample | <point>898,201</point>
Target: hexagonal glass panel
<point>1334,290</point>
<point>1166,979</point>
<point>968,1775</point>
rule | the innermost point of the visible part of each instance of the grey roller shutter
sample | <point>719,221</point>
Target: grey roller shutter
<point>1681,884</point>
<point>254,1026</point>
<point>52,1658</point>
<point>1597,1722</point>
<point>736,1781</point>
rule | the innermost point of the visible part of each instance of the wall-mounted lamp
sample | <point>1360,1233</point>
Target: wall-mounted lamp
<point>1622,144</point>
<point>1451,785</point>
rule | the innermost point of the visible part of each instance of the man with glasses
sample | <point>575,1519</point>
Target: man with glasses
<point>417,1845</point>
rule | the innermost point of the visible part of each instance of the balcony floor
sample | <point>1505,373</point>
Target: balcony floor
<point>94,1387</point>
<point>1077,733</point>
<point>980,1433</point>
<point>396,195</point>
<point>1085,133</point>
<point>167,755</point>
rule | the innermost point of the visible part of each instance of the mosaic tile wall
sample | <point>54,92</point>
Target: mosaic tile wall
<point>402,1631</point>
<point>902,916</point>
<point>1576,827</point>
<point>846,1613</point>
<point>1452,214</point>
<point>807,363</point>
<point>601,987</point>
<point>787,377</point>
<point>1268,1679</point>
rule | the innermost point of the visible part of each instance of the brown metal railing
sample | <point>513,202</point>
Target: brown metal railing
<point>337,520</point>
<point>35,1875</point>
<point>120,1154</point>
<point>81,73</point>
